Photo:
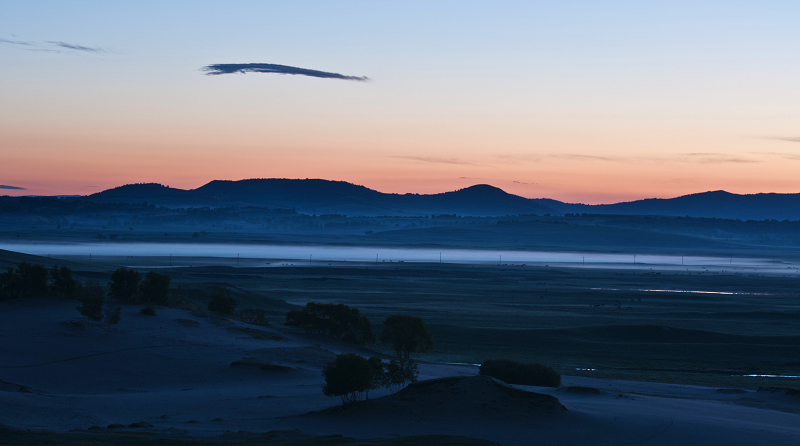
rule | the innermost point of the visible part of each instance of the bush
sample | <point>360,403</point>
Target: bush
<point>337,320</point>
<point>255,316</point>
<point>92,301</point>
<point>516,372</point>
<point>407,334</point>
<point>148,311</point>
<point>222,303</point>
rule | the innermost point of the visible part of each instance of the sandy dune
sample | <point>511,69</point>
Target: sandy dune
<point>189,373</point>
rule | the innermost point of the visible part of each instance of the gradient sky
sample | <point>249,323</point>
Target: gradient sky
<point>581,101</point>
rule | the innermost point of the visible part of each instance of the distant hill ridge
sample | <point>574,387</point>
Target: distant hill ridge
<point>317,196</point>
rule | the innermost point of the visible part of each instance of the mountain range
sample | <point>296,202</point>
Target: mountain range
<point>315,196</point>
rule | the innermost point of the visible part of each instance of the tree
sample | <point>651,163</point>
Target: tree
<point>347,377</point>
<point>222,302</point>
<point>154,289</point>
<point>63,284</point>
<point>398,373</point>
<point>28,280</point>
<point>407,334</point>
<point>337,320</point>
<point>124,285</point>
<point>377,373</point>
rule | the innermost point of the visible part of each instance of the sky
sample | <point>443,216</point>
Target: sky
<point>580,101</point>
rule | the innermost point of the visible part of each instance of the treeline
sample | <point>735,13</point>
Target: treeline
<point>34,280</point>
<point>406,334</point>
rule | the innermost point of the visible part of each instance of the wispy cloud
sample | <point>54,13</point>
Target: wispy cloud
<point>53,46</point>
<point>72,46</point>
<point>231,68</point>
<point>782,138</point>
<point>437,160</point>
<point>716,158</point>
<point>3,186</point>
<point>580,156</point>
<point>788,156</point>
<point>698,157</point>
<point>17,42</point>
<point>521,182</point>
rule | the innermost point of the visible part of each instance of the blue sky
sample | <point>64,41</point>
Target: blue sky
<point>580,101</point>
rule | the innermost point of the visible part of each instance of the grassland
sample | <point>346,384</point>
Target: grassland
<point>604,323</point>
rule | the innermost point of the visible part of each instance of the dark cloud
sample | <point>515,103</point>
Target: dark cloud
<point>230,68</point>
<point>3,186</point>
<point>72,46</point>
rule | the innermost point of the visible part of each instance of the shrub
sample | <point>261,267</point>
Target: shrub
<point>407,334</point>
<point>255,316</point>
<point>222,302</point>
<point>516,372</point>
<point>148,311</point>
<point>92,300</point>
<point>337,320</point>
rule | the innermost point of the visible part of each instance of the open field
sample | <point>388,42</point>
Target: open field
<point>697,326</point>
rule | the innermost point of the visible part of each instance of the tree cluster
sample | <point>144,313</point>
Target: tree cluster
<point>350,376</point>
<point>516,372</point>
<point>34,280</point>
<point>337,320</point>
<point>127,286</point>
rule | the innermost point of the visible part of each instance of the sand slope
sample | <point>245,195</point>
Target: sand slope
<point>189,373</point>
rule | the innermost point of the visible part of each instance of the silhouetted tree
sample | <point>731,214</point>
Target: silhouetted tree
<point>407,334</point>
<point>28,280</point>
<point>222,302</point>
<point>124,285</point>
<point>347,377</point>
<point>154,289</point>
<point>63,285</point>
<point>337,320</point>
<point>398,373</point>
<point>377,373</point>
